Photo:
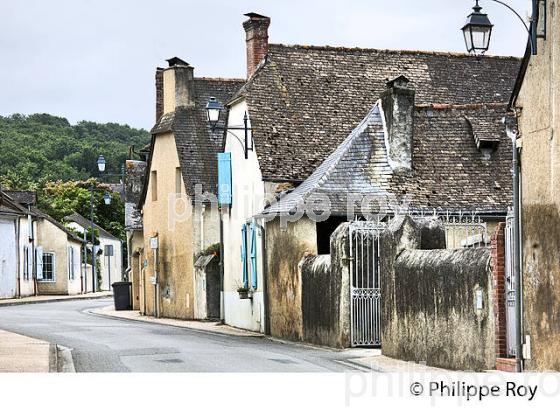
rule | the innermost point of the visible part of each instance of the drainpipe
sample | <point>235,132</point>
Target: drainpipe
<point>17,224</point>
<point>222,291</point>
<point>511,130</point>
<point>31,238</point>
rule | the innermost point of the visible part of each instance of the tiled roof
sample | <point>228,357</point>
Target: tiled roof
<point>197,145</point>
<point>448,171</point>
<point>305,100</point>
<point>85,223</point>
<point>23,197</point>
<point>9,206</point>
<point>71,234</point>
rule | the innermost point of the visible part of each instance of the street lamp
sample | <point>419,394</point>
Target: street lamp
<point>477,31</point>
<point>101,163</point>
<point>107,198</point>
<point>213,110</point>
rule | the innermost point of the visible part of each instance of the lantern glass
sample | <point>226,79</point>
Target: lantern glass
<point>107,198</point>
<point>101,163</point>
<point>213,109</point>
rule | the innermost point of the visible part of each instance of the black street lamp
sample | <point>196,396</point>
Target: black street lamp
<point>213,110</point>
<point>478,29</point>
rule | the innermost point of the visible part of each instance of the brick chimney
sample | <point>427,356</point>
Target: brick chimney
<point>397,103</point>
<point>256,36</point>
<point>178,85</point>
<point>159,93</point>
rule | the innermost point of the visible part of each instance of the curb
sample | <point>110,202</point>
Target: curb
<point>194,329</point>
<point>33,302</point>
<point>65,361</point>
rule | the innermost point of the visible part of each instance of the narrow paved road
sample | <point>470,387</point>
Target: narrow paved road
<point>101,344</point>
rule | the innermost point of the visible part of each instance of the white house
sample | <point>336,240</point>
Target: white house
<point>301,103</point>
<point>110,247</point>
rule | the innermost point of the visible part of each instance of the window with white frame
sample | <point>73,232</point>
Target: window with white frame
<point>48,266</point>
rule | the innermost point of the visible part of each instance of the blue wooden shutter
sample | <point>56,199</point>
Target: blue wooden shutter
<point>244,254</point>
<point>253,255</point>
<point>224,178</point>
<point>39,262</point>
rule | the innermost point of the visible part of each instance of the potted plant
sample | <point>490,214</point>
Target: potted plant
<point>244,292</point>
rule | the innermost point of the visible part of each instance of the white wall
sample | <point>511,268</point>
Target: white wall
<point>27,287</point>
<point>8,258</point>
<point>247,200</point>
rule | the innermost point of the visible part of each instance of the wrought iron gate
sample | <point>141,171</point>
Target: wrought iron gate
<point>511,322</point>
<point>365,286</point>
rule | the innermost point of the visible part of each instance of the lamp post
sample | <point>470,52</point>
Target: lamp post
<point>101,165</point>
<point>213,110</point>
<point>478,29</point>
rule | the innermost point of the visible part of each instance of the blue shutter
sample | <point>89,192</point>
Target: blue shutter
<point>253,255</point>
<point>244,254</point>
<point>224,178</point>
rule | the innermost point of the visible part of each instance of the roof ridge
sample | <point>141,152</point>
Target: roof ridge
<point>232,79</point>
<point>390,51</point>
<point>470,106</point>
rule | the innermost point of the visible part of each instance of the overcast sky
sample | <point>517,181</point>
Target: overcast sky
<point>95,59</point>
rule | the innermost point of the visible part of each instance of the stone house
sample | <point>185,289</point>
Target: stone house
<point>534,101</point>
<point>176,202</point>
<point>110,247</point>
<point>50,258</point>
<point>302,102</point>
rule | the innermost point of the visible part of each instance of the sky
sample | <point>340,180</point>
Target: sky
<point>95,59</point>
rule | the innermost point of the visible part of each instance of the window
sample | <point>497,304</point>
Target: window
<point>71,263</point>
<point>48,266</point>
<point>153,183</point>
<point>178,181</point>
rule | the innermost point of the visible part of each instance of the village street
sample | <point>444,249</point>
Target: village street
<point>101,344</point>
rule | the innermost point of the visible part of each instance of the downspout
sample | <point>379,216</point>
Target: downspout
<point>222,291</point>
<point>265,279</point>
<point>17,224</point>
<point>511,130</point>
<point>31,239</point>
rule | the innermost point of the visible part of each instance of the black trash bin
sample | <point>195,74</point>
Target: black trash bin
<point>121,295</point>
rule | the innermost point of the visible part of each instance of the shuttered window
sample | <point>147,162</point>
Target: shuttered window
<point>48,266</point>
<point>39,259</point>
<point>244,255</point>
<point>71,263</point>
<point>254,255</point>
<point>224,178</point>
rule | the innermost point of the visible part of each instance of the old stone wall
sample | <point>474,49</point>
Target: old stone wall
<point>538,122</point>
<point>437,303</point>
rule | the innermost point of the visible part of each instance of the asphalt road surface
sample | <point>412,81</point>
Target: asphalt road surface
<point>102,344</point>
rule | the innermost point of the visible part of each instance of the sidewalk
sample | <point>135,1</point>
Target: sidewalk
<point>207,326</point>
<point>383,364</point>
<point>24,354</point>
<point>53,298</point>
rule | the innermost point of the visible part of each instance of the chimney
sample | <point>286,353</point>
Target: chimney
<point>159,93</point>
<point>397,103</point>
<point>178,85</point>
<point>256,36</point>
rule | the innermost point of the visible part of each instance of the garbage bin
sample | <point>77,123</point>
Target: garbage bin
<point>121,295</point>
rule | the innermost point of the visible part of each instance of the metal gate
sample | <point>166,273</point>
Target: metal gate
<point>511,322</point>
<point>365,287</point>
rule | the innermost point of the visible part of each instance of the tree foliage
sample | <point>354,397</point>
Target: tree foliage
<point>41,147</point>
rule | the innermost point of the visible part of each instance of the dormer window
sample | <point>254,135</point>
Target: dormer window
<point>486,133</point>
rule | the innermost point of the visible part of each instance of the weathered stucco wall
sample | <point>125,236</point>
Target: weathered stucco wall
<point>429,309</point>
<point>325,294</point>
<point>169,218</point>
<point>285,249</point>
<point>538,123</point>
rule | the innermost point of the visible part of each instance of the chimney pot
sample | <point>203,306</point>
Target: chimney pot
<point>256,37</point>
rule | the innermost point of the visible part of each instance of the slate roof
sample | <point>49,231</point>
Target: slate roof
<point>134,182</point>
<point>85,223</point>
<point>448,170</point>
<point>23,197</point>
<point>9,206</point>
<point>305,100</point>
<point>197,145</point>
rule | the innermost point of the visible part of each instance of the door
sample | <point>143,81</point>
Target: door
<point>365,285</point>
<point>8,263</point>
<point>511,321</point>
